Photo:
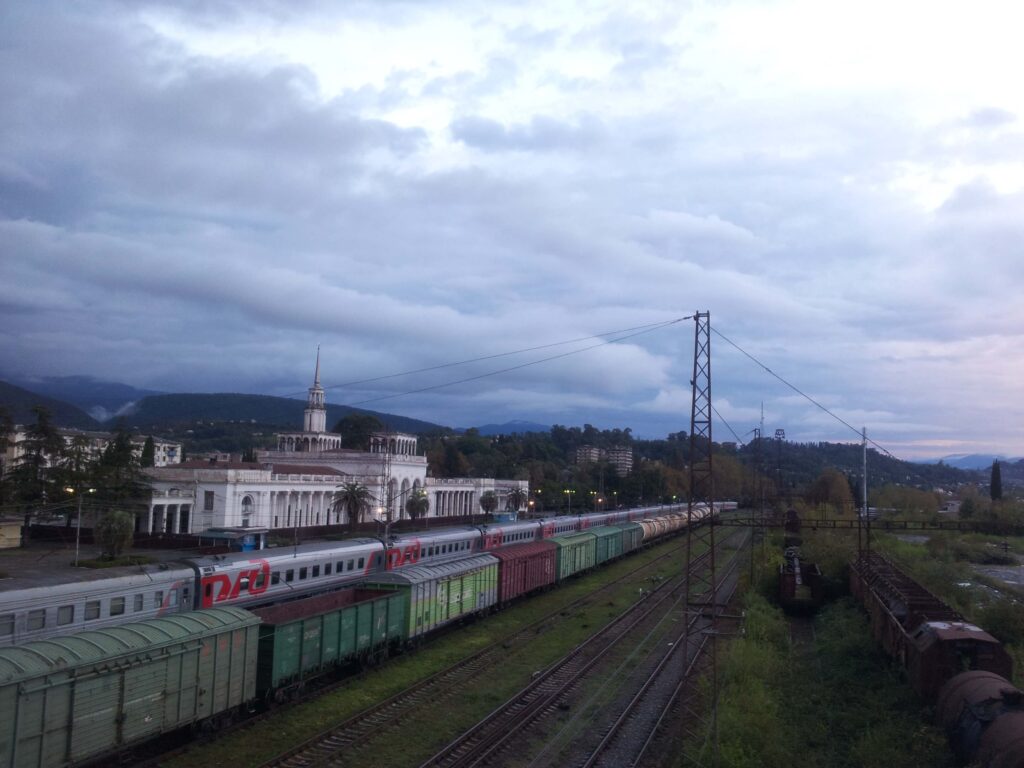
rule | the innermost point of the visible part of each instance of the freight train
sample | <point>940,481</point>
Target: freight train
<point>246,580</point>
<point>74,698</point>
<point>948,660</point>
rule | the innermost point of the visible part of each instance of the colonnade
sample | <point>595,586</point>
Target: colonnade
<point>455,503</point>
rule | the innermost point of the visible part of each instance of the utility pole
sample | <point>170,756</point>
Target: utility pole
<point>700,582</point>
<point>780,436</point>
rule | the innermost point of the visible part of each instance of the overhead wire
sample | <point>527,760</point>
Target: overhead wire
<point>482,358</point>
<point>645,329</point>
<point>803,394</point>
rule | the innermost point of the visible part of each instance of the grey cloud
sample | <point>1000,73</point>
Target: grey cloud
<point>540,134</point>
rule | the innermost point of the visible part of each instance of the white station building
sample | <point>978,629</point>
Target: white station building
<point>294,485</point>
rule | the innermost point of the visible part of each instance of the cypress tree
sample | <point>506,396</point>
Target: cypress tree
<point>996,483</point>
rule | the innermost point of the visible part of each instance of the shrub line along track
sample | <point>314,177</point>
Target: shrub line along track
<point>479,744</point>
<point>320,749</point>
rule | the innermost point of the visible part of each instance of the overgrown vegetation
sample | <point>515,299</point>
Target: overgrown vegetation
<point>833,700</point>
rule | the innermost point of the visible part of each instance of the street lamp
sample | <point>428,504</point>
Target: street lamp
<point>78,528</point>
<point>568,500</point>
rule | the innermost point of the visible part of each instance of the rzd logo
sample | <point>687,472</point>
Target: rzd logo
<point>219,588</point>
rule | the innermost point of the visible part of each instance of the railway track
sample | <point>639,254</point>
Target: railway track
<point>327,747</point>
<point>629,737</point>
<point>483,744</point>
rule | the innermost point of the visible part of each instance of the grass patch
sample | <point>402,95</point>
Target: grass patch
<point>836,702</point>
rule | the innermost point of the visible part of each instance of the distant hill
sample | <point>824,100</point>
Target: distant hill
<point>517,427</point>
<point>102,400</point>
<point>158,412</point>
<point>19,403</point>
<point>971,460</point>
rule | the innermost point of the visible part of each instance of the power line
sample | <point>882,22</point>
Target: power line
<point>721,418</point>
<point>642,328</point>
<point>804,394</point>
<point>647,329</point>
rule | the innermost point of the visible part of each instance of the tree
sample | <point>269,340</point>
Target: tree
<point>148,458</point>
<point>37,470</point>
<point>119,479</point>
<point>115,533</point>
<point>996,483</point>
<point>488,501</point>
<point>832,489</point>
<point>418,504</point>
<point>352,498</point>
<point>356,428</point>
<point>516,498</point>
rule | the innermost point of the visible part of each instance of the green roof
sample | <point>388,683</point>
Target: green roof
<point>68,652</point>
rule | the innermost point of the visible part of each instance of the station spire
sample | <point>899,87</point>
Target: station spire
<point>316,374</point>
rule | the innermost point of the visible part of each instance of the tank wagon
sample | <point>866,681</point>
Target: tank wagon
<point>255,579</point>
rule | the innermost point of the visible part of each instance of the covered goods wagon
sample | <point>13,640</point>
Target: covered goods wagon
<point>632,536</point>
<point>576,552</point>
<point>77,697</point>
<point>608,545</point>
<point>526,567</point>
<point>301,638</point>
<point>443,592</point>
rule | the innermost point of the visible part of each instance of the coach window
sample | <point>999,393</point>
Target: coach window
<point>65,614</point>
<point>275,577</point>
<point>361,563</point>
<point>37,619</point>
<point>261,579</point>
<point>302,573</point>
<point>92,610</point>
<point>6,624</point>
<point>327,569</point>
<point>289,575</point>
<point>158,596</point>
<point>116,606</point>
<point>316,571</point>
<point>351,565</point>
<point>137,602</point>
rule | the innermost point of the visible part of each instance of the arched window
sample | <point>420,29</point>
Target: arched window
<point>247,509</point>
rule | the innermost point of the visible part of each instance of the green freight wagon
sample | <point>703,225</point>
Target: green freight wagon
<point>443,592</point>
<point>632,536</point>
<point>77,697</point>
<point>608,544</point>
<point>576,552</point>
<point>302,638</point>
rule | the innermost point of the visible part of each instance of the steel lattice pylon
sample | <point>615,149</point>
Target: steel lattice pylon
<point>700,579</point>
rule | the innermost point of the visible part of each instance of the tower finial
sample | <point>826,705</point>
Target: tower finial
<point>316,376</point>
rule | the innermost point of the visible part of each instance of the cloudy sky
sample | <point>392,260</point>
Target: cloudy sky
<point>193,195</point>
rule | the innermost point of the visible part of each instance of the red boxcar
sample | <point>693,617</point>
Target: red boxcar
<point>524,568</point>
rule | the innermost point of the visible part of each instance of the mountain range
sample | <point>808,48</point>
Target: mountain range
<point>83,402</point>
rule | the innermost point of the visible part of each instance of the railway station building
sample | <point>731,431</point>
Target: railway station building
<point>294,485</point>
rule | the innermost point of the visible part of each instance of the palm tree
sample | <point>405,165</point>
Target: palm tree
<point>417,504</point>
<point>354,499</point>
<point>516,499</point>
